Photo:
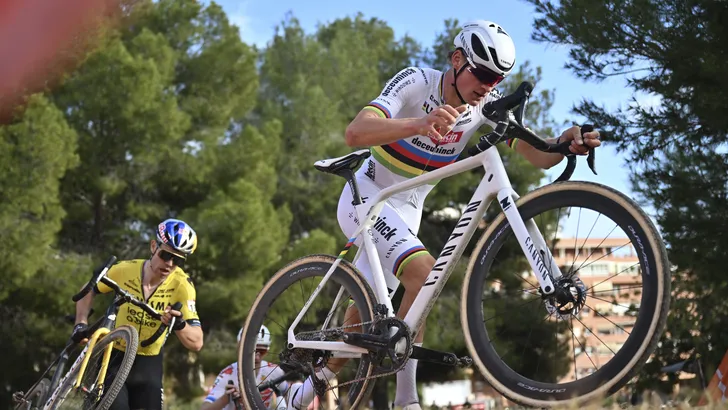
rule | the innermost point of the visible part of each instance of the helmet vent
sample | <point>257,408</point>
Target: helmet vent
<point>478,47</point>
<point>496,61</point>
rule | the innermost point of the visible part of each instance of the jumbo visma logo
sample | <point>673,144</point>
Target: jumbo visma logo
<point>139,317</point>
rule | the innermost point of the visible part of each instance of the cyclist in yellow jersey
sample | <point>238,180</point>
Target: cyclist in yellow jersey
<point>161,282</point>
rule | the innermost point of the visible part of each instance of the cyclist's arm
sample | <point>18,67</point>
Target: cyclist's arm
<point>216,398</point>
<point>538,158</point>
<point>191,335</point>
<point>370,129</point>
<point>218,404</point>
<point>375,124</point>
<point>83,307</point>
<point>579,145</point>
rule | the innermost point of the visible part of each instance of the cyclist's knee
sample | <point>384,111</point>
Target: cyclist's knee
<point>413,275</point>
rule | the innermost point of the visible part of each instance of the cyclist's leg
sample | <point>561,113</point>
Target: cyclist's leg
<point>412,276</point>
<point>412,270</point>
<point>404,259</point>
<point>145,383</point>
<point>349,221</point>
<point>403,256</point>
<point>121,402</point>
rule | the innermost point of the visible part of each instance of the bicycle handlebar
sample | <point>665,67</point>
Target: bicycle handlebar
<point>158,333</point>
<point>94,279</point>
<point>124,296</point>
<point>499,111</point>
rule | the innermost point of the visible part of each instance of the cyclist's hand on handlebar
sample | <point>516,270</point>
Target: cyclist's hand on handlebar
<point>579,145</point>
<point>179,324</point>
<point>230,389</point>
<point>440,121</point>
<point>80,333</point>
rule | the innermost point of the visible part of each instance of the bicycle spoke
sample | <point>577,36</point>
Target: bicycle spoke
<point>609,301</point>
<point>637,286</point>
<point>623,329</point>
<point>553,241</point>
<point>595,335</point>
<point>523,304</point>
<point>573,343</point>
<point>576,253</point>
<point>587,238</point>
<point>530,332</point>
<point>615,275</point>
<point>583,349</point>
<point>602,257</point>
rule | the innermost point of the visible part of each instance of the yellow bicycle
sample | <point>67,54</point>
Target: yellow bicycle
<point>99,372</point>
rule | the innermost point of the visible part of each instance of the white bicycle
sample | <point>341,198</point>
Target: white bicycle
<point>513,267</point>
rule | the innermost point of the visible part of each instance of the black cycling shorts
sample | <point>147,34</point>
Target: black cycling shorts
<point>143,388</point>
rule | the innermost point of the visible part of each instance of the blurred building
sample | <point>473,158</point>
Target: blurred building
<point>610,270</point>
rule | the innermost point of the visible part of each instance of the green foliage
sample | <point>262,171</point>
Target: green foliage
<point>35,151</point>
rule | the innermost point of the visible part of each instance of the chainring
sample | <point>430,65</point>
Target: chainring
<point>396,361</point>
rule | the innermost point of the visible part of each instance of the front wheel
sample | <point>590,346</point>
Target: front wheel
<point>541,352</point>
<point>93,393</point>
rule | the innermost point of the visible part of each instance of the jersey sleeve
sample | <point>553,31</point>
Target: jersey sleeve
<point>218,388</point>
<point>397,92</point>
<point>187,296</point>
<point>114,273</point>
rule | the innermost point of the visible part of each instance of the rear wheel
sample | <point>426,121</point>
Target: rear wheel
<point>513,354</point>
<point>277,306</point>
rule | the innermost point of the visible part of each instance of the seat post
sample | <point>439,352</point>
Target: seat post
<point>348,174</point>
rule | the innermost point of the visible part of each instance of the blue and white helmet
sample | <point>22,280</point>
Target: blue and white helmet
<point>177,234</point>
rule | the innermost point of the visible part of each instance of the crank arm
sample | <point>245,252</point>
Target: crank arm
<point>435,356</point>
<point>366,341</point>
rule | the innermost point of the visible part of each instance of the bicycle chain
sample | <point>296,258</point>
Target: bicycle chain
<point>339,332</point>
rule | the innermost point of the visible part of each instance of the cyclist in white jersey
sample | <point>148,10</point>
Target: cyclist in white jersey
<point>218,397</point>
<point>421,121</point>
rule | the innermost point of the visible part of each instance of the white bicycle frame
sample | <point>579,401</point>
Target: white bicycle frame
<point>495,184</point>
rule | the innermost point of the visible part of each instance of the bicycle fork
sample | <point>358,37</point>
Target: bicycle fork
<point>531,242</point>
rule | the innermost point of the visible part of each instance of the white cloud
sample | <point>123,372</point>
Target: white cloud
<point>649,100</point>
<point>241,17</point>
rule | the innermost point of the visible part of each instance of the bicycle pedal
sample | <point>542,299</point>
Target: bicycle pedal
<point>465,361</point>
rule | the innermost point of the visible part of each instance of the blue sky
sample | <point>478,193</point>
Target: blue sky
<point>424,19</point>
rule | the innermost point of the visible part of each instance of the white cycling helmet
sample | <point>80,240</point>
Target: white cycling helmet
<point>486,44</point>
<point>263,336</point>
